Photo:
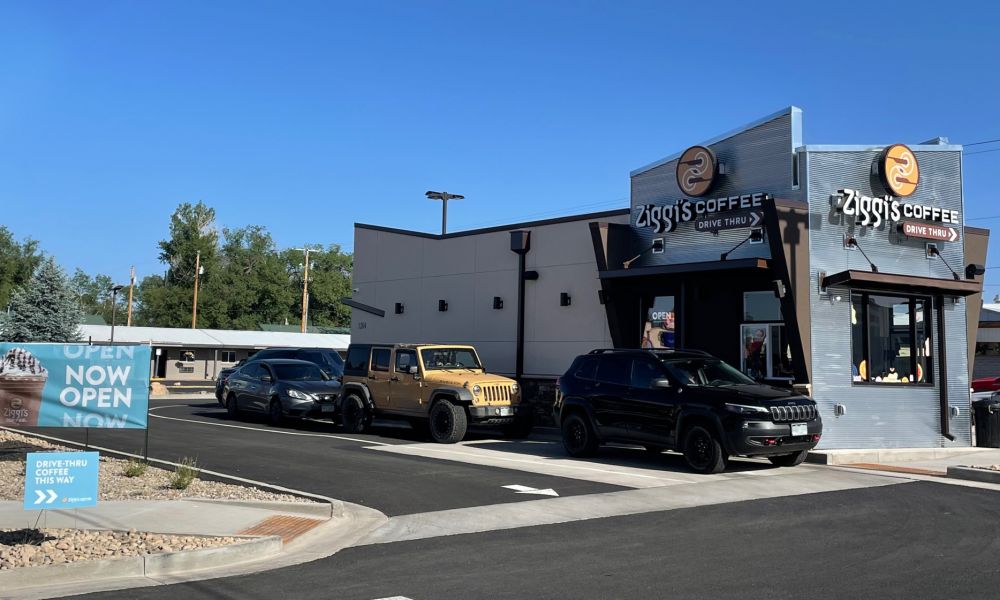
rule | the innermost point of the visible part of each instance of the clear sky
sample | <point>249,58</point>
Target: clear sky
<point>309,116</point>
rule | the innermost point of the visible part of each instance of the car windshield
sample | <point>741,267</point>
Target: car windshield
<point>299,373</point>
<point>449,358</point>
<point>710,372</point>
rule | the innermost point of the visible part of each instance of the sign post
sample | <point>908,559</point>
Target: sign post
<point>60,480</point>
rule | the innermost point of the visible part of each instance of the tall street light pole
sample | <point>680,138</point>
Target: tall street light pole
<point>305,291</point>
<point>131,288</point>
<point>444,197</point>
<point>114,309</point>
<point>197,277</point>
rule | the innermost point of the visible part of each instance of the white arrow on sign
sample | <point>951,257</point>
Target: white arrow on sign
<point>44,498</point>
<point>952,234</point>
<point>754,219</point>
<point>523,489</point>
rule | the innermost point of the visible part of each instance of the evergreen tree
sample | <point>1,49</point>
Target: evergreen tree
<point>45,309</point>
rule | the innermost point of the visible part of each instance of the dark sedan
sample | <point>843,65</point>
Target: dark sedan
<point>282,388</point>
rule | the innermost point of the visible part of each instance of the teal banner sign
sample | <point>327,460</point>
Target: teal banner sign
<point>74,385</point>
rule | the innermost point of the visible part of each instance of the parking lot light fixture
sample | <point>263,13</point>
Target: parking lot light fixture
<point>444,197</point>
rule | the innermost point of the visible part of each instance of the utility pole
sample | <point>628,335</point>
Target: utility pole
<point>305,292</point>
<point>444,197</point>
<point>131,287</point>
<point>197,276</point>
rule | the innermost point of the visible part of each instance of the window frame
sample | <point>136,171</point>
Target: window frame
<point>929,320</point>
<point>743,312</point>
<point>388,365</point>
<point>224,353</point>
<point>407,352</point>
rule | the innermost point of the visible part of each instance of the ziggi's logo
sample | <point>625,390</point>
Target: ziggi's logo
<point>696,170</point>
<point>898,169</point>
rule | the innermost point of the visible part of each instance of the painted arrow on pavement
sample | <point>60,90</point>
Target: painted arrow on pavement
<point>51,496</point>
<point>523,489</point>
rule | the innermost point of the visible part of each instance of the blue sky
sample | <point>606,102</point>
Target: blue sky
<point>309,116</point>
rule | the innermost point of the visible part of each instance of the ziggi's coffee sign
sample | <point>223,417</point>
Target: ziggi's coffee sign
<point>664,219</point>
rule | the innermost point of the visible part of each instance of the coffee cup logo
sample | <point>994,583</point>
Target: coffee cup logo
<point>899,170</point>
<point>696,170</point>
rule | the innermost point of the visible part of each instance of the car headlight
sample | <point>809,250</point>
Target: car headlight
<point>292,393</point>
<point>476,389</point>
<point>743,409</point>
<point>513,388</point>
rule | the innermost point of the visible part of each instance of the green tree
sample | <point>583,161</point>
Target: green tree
<point>329,281</point>
<point>17,262</point>
<point>94,296</point>
<point>252,281</point>
<point>45,309</point>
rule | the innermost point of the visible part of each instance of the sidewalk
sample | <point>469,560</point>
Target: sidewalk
<point>954,463</point>
<point>279,534</point>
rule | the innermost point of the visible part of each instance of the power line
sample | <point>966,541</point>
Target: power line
<point>981,152</point>
<point>983,218</point>
<point>981,143</point>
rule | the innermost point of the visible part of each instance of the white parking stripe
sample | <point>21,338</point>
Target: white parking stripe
<point>296,433</point>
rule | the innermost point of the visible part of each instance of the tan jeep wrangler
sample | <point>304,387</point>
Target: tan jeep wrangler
<point>443,388</point>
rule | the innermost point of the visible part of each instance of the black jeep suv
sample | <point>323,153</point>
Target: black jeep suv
<point>687,401</point>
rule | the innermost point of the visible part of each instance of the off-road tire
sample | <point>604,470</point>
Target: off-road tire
<point>578,436</point>
<point>789,460</point>
<point>354,417</point>
<point>231,407</point>
<point>275,414</point>
<point>448,422</point>
<point>520,428</point>
<point>703,452</point>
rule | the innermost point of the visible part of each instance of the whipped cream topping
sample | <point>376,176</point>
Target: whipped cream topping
<point>18,362</point>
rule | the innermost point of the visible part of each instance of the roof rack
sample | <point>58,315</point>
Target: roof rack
<point>650,350</point>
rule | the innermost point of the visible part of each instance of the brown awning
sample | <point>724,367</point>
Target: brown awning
<point>892,282</point>
<point>674,269</point>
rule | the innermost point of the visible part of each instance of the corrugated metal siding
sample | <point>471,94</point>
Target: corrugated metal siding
<point>757,160</point>
<point>884,417</point>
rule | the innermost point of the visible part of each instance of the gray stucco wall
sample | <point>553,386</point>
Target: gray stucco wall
<point>881,416</point>
<point>468,271</point>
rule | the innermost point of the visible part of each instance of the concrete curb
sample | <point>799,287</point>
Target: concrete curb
<point>27,578</point>
<point>885,455</point>
<point>973,474</point>
<point>323,510</point>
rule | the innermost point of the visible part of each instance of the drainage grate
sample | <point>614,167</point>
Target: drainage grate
<point>285,526</point>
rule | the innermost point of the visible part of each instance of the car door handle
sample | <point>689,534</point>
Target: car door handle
<point>394,378</point>
<point>372,377</point>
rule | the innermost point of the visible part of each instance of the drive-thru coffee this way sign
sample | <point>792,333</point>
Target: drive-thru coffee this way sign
<point>74,385</point>
<point>59,480</point>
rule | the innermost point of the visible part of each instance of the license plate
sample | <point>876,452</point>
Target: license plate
<point>799,429</point>
<point>326,408</point>
<point>504,411</point>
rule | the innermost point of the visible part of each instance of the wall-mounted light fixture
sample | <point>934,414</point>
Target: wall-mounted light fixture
<point>399,308</point>
<point>756,237</point>
<point>497,303</point>
<point>933,251</point>
<point>564,299</point>
<point>852,242</point>
<point>442,305</point>
<point>779,288</point>
<point>972,270</point>
<point>656,248</point>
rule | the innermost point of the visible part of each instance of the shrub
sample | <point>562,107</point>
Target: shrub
<point>135,467</point>
<point>185,474</point>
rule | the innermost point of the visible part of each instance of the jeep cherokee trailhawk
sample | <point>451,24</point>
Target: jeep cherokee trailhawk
<point>443,388</point>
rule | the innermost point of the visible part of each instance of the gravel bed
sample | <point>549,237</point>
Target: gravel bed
<point>986,467</point>
<point>38,547</point>
<point>154,484</point>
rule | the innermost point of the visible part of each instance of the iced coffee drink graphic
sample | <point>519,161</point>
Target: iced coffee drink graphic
<point>22,378</point>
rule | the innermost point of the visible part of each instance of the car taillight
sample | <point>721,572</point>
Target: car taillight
<point>815,437</point>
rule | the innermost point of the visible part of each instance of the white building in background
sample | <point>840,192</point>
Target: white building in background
<point>199,354</point>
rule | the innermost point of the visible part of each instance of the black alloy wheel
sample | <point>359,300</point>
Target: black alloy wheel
<point>448,422</point>
<point>275,414</point>
<point>703,452</point>
<point>353,417</point>
<point>578,436</point>
<point>231,406</point>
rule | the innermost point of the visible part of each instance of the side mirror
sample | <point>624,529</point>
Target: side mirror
<point>663,383</point>
<point>266,378</point>
<point>414,370</point>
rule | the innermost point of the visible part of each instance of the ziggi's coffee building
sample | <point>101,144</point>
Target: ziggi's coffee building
<point>845,271</point>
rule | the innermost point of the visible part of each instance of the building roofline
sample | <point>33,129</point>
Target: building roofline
<point>794,111</point>
<point>555,221</point>
<point>878,147</point>
<point>976,230</point>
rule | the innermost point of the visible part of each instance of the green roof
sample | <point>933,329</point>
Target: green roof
<point>93,320</point>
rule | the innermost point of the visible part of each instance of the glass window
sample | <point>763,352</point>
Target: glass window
<point>299,373</point>
<point>404,360</point>
<point>380,359</point>
<point>357,358</point>
<point>615,370</point>
<point>228,356</point>
<point>644,372</point>
<point>588,368</point>
<point>705,371</point>
<point>891,339</point>
<point>450,358</point>
<point>187,356</point>
<point>761,306</point>
<point>658,329</point>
